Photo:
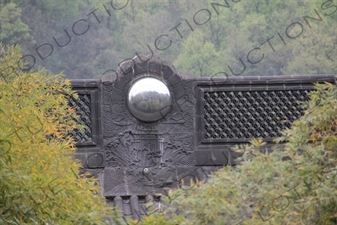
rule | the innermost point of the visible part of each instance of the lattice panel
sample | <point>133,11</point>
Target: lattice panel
<point>83,109</point>
<point>248,114</point>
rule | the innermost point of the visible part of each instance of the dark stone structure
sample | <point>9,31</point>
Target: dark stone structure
<point>147,128</point>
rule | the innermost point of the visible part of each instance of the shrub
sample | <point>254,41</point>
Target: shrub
<point>39,179</point>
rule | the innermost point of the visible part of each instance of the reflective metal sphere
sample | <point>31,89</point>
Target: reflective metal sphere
<point>149,99</point>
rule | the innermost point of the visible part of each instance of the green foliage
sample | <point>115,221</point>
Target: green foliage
<point>161,219</point>
<point>293,183</point>
<point>307,57</point>
<point>231,32</point>
<point>12,29</point>
<point>198,56</point>
<point>39,180</point>
<point>59,8</point>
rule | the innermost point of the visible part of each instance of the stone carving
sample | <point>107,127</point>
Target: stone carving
<point>143,157</point>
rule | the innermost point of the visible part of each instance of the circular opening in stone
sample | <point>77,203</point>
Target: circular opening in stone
<point>149,99</point>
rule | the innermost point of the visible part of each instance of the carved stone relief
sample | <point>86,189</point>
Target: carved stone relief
<point>143,157</point>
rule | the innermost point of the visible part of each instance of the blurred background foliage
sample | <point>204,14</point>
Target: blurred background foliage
<point>229,34</point>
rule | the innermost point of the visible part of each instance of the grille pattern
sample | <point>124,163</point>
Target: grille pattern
<point>83,110</point>
<point>249,114</point>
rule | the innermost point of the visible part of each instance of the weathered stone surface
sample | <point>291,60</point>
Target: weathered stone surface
<point>142,157</point>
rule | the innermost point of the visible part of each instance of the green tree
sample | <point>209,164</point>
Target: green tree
<point>234,29</point>
<point>39,179</point>
<point>51,9</point>
<point>12,29</point>
<point>198,57</point>
<point>316,53</point>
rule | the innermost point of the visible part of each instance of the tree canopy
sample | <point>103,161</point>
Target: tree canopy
<point>86,38</point>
